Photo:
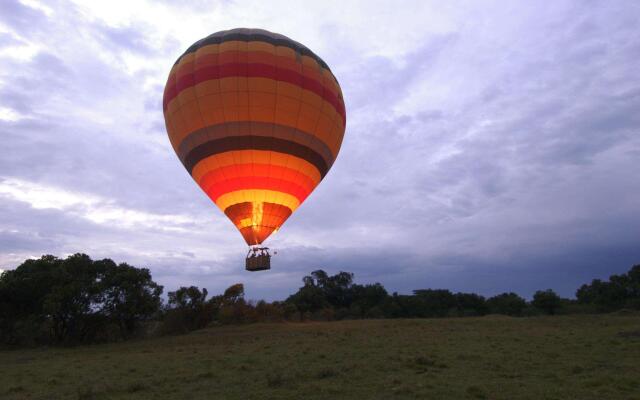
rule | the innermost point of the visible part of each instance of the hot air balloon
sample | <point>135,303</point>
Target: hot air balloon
<point>257,119</point>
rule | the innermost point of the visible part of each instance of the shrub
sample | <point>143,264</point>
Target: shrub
<point>175,322</point>
<point>290,311</point>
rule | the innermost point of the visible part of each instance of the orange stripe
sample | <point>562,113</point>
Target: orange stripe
<point>307,112</point>
<point>233,158</point>
<point>309,80</point>
<point>217,189</point>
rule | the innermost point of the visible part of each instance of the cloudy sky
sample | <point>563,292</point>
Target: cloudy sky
<point>490,146</point>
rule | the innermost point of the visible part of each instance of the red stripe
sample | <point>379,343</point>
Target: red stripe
<point>254,70</point>
<point>169,91</point>
<point>230,185</point>
<point>221,174</point>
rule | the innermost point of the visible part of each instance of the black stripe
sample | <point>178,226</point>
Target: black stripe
<point>254,128</point>
<point>217,38</point>
<point>232,143</point>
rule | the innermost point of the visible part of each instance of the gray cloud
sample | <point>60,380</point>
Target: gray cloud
<point>18,16</point>
<point>491,155</point>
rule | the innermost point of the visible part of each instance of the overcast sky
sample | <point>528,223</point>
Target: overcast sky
<point>490,146</point>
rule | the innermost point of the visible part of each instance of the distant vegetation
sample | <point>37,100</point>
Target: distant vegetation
<point>80,300</point>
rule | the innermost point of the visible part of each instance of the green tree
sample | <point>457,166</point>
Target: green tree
<point>507,304</point>
<point>233,308</point>
<point>309,298</point>
<point>187,297</point>
<point>22,294</point>
<point>233,294</point>
<point>468,304</point>
<point>188,310</point>
<point>369,299</point>
<point>618,292</point>
<point>433,302</point>
<point>129,295</point>
<point>547,301</point>
<point>75,296</point>
<point>73,300</point>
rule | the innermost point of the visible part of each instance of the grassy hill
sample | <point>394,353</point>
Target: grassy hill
<point>494,357</point>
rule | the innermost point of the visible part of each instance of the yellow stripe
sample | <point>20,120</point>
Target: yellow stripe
<point>257,195</point>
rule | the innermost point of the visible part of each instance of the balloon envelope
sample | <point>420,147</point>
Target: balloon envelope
<point>257,120</point>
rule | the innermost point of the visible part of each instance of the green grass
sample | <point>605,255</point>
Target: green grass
<point>494,357</point>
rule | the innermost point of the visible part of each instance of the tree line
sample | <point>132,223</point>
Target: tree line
<point>80,300</point>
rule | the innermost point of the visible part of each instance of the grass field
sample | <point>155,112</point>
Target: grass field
<point>494,357</point>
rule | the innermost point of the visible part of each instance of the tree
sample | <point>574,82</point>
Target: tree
<point>129,295</point>
<point>188,310</point>
<point>321,291</point>
<point>22,294</point>
<point>369,299</point>
<point>22,290</point>
<point>507,304</point>
<point>187,297</point>
<point>633,299</point>
<point>434,302</point>
<point>74,300</point>
<point>232,307</point>
<point>618,292</point>
<point>547,301</point>
<point>470,304</point>
<point>75,296</point>
<point>336,289</point>
<point>309,298</point>
<point>233,294</point>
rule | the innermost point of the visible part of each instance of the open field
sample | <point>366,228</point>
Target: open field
<point>494,357</point>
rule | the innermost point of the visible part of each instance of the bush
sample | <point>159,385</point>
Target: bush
<point>375,313</point>
<point>175,322</point>
<point>30,331</point>
<point>237,313</point>
<point>290,312</point>
<point>266,312</point>
<point>326,314</point>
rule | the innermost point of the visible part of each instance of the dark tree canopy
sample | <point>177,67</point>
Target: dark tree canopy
<point>187,310</point>
<point>507,304</point>
<point>547,301</point>
<point>233,293</point>
<point>130,295</point>
<point>74,299</point>
<point>80,300</point>
<point>187,297</point>
<point>618,292</point>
